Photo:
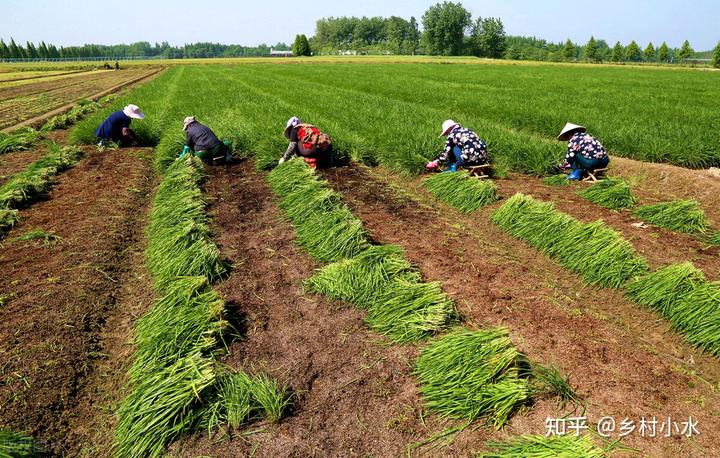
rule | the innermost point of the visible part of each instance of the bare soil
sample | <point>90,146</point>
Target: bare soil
<point>624,360</point>
<point>66,319</point>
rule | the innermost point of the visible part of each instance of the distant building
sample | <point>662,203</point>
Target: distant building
<point>276,53</point>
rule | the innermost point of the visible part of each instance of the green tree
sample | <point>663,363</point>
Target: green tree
<point>618,53</point>
<point>4,50</point>
<point>569,50</point>
<point>445,24</point>
<point>663,52</point>
<point>649,53</point>
<point>633,53</point>
<point>513,52</point>
<point>15,51</point>
<point>716,56</point>
<point>31,51</point>
<point>591,50</point>
<point>301,47</point>
<point>686,51</point>
<point>488,38</point>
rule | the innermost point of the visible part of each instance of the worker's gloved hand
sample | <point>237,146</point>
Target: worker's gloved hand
<point>281,161</point>
<point>185,150</point>
<point>432,165</point>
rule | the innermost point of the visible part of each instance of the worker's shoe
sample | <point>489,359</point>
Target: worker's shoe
<point>576,175</point>
<point>453,167</point>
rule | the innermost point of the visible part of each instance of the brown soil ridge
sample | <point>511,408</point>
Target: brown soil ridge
<point>53,330</point>
<point>623,359</point>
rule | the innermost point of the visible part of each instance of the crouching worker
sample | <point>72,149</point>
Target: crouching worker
<point>116,128</point>
<point>203,142</point>
<point>462,148</point>
<point>584,153</point>
<point>308,142</point>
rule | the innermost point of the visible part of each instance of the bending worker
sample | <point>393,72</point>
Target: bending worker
<point>116,127</point>
<point>308,142</point>
<point>462,148</point>
<point>204,143</point>
<point>584,153</point>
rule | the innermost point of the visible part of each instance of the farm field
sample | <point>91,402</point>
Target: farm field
<point>158,280</point>
<point>23,99</point>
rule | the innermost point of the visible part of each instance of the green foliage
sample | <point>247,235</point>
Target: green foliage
<point>686,51</point>
<point>633,53</point>
<point>612,193</point>
<point>301,47</point>
<point>545,447</point>
<point>461,190</point>
<point>21,139</point>
<point>8,219</point>
<point>79,111</point>
<point>325,227</point>
<point>472,374</point>
<point>649,53</point>
<point>681,216</point>
<point>680,293</point>
<point>591,50</point>
<point>618,53</point>
<point>716,56</point>
<point>569,51</point>
<point>663,53</point>
<point>16,445</point>
<point>180,242</point>
<point>549,381</point>
<point>47,238</point>
<point>596,252</point>
<point>557,180</point>
<point>714,238</point>
<point>361,279</point>
<point>488,37</point>
<point>444,26</point>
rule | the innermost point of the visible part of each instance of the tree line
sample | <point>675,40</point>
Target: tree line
<point>12,50</point>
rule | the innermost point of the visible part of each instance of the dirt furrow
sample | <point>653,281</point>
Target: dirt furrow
<point>68,301</point>
<point>623,359</point>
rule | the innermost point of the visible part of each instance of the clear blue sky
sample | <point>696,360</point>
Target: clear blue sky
<point>66,22</point>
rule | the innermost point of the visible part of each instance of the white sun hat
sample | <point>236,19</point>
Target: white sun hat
<point>292,122</point>
<point>447,126</point>
<point>568,129</point>
<point>187,121</point>
<point>133,111</point>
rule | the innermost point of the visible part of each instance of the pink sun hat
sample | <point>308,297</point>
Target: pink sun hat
<point>133,111</point>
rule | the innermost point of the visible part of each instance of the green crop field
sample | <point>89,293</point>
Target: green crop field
<point>265,309</point>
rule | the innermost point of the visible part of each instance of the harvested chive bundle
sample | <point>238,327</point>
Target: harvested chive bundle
<point>545,447</point>
<point>612,193</point>
<point>557,180</point>
<point>681,216</point>
<point>21,139</point>
<point>463,192</point>
<point>596,252</point>
<point>472,374</point>
<point>16,445</point>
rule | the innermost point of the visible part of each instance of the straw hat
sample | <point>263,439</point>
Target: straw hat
<point>570,129</point>
<point>187,121</point>
<point>447,126</point>
<point>292,122</point>
<point>133,111</point>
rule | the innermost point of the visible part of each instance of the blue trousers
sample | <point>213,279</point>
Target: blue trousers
<point>583,163</point>
<point>456,157</point>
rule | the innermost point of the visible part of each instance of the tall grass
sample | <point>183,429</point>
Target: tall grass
<point>681,216</point>
<point>473,374</point>
<point>612,193</point>
<point>545,447</point>
<point>462,191</point>
<point>16,445</point>
<point>680,293</point>
<point>594,251</point>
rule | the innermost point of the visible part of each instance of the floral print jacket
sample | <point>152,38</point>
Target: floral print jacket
<point>585,145</point>
<point>473,150</point>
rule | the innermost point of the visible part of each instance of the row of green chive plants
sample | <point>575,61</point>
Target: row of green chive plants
<point>16,445</point>
<point>464,374</point>
<point>602,257</point>
<point>24,187</point>
<point>400,135</point>
<point>612,102</point>
<point>177,384</point>
<point>679,216</point>
<point>26,137</point>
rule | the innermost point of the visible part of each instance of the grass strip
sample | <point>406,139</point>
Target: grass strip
<point>537,446</point>
<point>21,139</point>
<point>473,374</point>
<point>462,191</point>
<point>680,216</point>
<point>596,252</point>
<point>180,242</point>
<point>680,293</point>
<point>16,445</point>
<point>557,180</point>
<point>612,193</point>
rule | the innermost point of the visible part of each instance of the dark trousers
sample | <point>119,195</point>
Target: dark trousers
<point>583,163</point>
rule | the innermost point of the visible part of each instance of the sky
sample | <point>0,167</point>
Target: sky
<point>65,22</point>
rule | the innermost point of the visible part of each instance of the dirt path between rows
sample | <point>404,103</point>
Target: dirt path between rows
<point>621,358</point>
<point>355,394</point>
<point>659,246</point>
<point>66,319</point>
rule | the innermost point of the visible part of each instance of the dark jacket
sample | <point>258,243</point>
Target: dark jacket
<point>200,137</point>
<point>112,127</point>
